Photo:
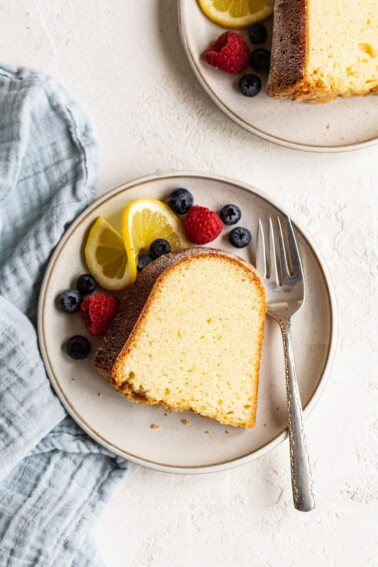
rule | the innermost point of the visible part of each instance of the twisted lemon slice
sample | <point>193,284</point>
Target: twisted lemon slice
<point>106,257</point>
<point>145,220</point>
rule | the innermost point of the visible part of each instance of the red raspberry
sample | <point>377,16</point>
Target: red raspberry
<point>202,225</point>
<point>229,53</point>
<point>98,311</point>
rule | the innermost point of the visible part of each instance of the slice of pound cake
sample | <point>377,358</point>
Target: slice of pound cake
<point>323,49</point>
<point>189,336</point>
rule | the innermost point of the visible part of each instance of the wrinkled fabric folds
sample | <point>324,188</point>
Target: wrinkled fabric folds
<point>54,480</point>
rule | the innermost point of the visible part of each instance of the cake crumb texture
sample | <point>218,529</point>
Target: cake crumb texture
<point>196,344</point>
<point>322,49</point>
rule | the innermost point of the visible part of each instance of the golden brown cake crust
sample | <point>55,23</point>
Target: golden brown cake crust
<point>135,303</point>
<point>289,48</point>
<point>288,77</point>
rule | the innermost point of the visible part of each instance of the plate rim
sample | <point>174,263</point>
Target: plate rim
<point>245,125</point>
<point>200,469</point>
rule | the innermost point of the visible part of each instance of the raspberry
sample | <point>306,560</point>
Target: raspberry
<point>98,311</point>
<point>202,225</point>
<point>230,53</point>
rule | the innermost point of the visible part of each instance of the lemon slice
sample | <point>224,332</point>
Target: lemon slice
<point>106,257</point>
<point>145,220</point>
<point>235,13</point>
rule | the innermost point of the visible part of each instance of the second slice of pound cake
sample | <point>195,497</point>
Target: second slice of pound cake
<point>189,336</point>
<point>323,49</point>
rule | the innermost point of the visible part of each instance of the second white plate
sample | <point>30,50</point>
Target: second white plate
<point>202,445</point>
<point>341,125</point>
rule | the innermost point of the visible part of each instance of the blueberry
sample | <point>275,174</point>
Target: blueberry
<point>180,201</point>
<point>69,301</point>
<point>230,214</point>
<point>260,59</point>
<point>143,260</point>
<point>257,33</point>
<point>249,85</point>
<point>78,347</point>
<point>240,237</point>
<point>86,284</point>
<point>159,247</point>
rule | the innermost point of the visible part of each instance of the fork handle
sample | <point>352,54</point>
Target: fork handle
<point>301,478</point>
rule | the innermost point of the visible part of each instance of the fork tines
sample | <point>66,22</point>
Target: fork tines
<point>278,265</point>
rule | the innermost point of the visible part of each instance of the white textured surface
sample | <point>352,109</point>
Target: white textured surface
<point>123,61</point>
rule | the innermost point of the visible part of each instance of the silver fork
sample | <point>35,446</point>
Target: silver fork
<point>286,293</point>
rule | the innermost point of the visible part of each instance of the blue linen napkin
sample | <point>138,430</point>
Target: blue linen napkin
<point>54,480</point>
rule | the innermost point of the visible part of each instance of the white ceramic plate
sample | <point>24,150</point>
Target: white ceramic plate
<point>203,445</point>
<point>341,125</point>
